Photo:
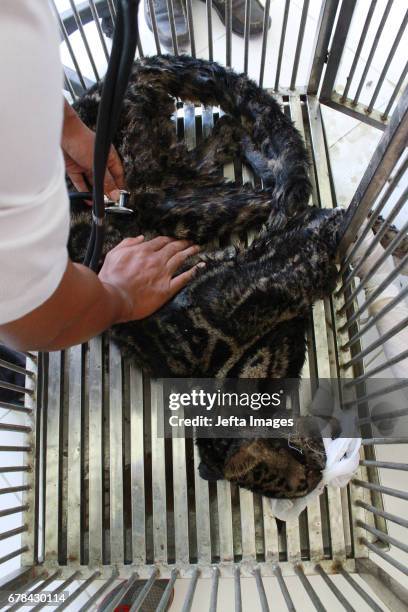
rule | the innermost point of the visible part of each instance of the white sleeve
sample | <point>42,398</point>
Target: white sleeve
<point>34,208</point>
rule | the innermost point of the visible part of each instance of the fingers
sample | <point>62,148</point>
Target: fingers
<point>114,178</point>
<point>129,242</point>
<point>80,184</point>
<point>158,243</point>
<point>176,246</point>
<point>180,281</point>
<point>179,258</point>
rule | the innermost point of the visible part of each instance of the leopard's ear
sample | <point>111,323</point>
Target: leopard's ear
<point>242,462</point>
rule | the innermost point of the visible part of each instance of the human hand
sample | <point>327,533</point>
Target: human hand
<point>143,272</point>
<point>77,144</point>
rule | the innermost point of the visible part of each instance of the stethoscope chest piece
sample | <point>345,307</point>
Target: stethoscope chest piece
<point>120,207</point>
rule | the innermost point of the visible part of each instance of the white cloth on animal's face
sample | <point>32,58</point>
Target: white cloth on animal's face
<point>342,459</point>
<point>34,206</point>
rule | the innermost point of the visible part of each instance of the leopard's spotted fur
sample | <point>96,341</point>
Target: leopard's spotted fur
<point>245,314</point>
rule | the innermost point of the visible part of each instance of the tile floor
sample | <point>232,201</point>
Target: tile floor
<point>351,144</point>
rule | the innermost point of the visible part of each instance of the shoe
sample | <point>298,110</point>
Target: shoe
<point>163,23</point>
<point>238,16</point>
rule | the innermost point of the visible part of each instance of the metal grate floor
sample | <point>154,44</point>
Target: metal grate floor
<point>115,494</point>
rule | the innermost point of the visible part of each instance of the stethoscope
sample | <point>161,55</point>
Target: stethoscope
<point>123,52</point>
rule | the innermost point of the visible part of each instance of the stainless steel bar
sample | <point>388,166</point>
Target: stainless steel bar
<point>162,607</point>
<point>69,46</point>
<point>314,598</point>
<point>62,587</point>
<point>388,465</point>
<point>392,414</point>
<point>13,532</point>
<point>15,449</point>
<point>191,28</point>
<point>228,26</point>
<point>371,441</point>
<point>372,51</point>
<point>209,28</point>
<point>188,601</point>
<point>14,468</point>
<point>38,589</point>
<point>154,26</point>
<point>95,451</point>
<point>377,343</point>
<point>334,589</point>
<point>15,428</point>
<point>378,512</point>
<point>369,373</point>
<point>395,92</point>
<point>225,520</point>
<point>388,589</point>
<point>247,29</point>
<point>293,540</point>
<point>399,566</point>
<point>369,222</point>
<point>380,393</point>
<point>98,27</point>
<point>384,490</point>
<point>299,43</point>
<point>324,30</point>
<point>144,591</point>
<point>74,454</point>
<point>20,579</point>
<point>282,43</point>
<point>94,598</point>
<point>387,153</point>
<point>137,465</point>
<point>265,30</point>
<point>170,11</point>
<point>16,388</point>
<point>15,368</point>
<point>369,600</point>
<point>53,457</point>
<point>383,285</point>
<point>376,239</point>
<point>189,126</point>
<point>388,61</point>
<point>86,583</point>
<point>14,510</point>
<point>261,590</point>
<point>15,407</point>
<point>158,475</point>
<point>246,505</point>
<point>181,535</point>
<point>357,52</point>
<point>202,509</point>
<point>140,48</point>
<point>270,532</point>
<point>237,589</point>
<point>373,320</point>
<point>116,458</point>
<point>336,49</point>
<point>112,10</point>
<point>84,38</point>
<point>214,589</point>
<point>125,588</point>
<point>284,589</point>
<point>18,489</point>
<point>383,536</point>
<point>13,554</point>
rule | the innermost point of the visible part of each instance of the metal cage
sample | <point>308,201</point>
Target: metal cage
<point>96,499</point>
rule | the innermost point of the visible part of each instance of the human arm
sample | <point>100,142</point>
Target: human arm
<point>77,143</point>
<point>135,280</point>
